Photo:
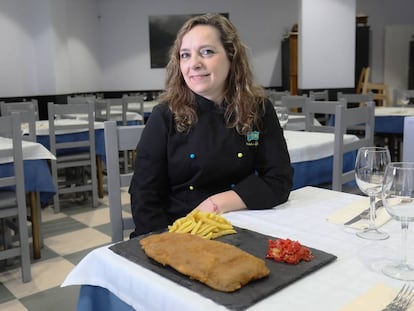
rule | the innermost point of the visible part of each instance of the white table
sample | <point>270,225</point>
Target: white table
<point>311,154</point>
<point>38,180</point>
<point>42,133</point>
<point>302,218</point>
<point>31,150</point>
<point>309,146</point>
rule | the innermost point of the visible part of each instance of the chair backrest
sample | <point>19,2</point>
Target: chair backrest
<point>276,96</point>
<point>408,139</point>
<point>397,96</point>
<point>356,99</point>
<point>318,107</point>
<point>345,119</point>
<point>80,99</point>
<point>28,115</point>
<point>75,153</point>
<point>103,108</point>
<point>295,103</point>
<point>319,95</point>
<point>129,100</point>
<point>119,138</point>
<point>10,127</point>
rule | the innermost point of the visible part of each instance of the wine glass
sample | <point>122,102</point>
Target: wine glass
<point>398,199</point>
<point>282,115</point>
<point>404,100</point>
<point>370,166</point>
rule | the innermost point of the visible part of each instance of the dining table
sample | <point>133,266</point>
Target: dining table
<point>42,136</point>
<point>112,280</point>
<point>311,156</point>
<point>38,180</point>
<point>389,125</point>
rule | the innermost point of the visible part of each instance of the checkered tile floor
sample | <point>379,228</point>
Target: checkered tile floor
<point>68,237</point>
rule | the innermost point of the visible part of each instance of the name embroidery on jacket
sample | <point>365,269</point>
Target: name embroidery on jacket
<point>252,138</point>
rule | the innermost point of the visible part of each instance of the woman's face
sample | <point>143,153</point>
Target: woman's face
<point>204,63</point>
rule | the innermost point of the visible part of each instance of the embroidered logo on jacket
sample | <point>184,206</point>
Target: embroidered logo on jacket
<point>253,138</point>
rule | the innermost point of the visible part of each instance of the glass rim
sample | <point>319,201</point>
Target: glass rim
<point>402,164</point>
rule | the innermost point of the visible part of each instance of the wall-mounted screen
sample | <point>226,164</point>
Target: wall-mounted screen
<point>162,32</point>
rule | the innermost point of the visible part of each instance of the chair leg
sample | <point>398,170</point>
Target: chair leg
<point>99,169</point>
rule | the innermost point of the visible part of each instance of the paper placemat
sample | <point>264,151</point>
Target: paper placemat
<point>374,299</point>
<point>281,274</point>
<point>345,214</point>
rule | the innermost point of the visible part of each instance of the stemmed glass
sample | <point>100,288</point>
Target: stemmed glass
<point>404,100</point>
<point>282,115</point>
<point>398,199</point>
<point>370,166</point>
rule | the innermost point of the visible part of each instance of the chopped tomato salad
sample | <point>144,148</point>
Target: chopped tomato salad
<point>286,250</point>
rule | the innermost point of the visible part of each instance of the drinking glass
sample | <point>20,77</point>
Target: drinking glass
<point>398,199</point>
<point>282,115</point>
<point>370,166</point>
<point>404,100</point>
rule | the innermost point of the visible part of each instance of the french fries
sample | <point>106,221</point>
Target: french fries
<point>206,225</point>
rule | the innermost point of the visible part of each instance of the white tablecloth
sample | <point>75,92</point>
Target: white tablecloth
<point>308,146</point>
<point>42,126</point>
<point>302,218</point>
<point>31,150</point>
<point>394,111</point>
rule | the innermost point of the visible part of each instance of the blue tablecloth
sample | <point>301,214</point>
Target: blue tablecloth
<point>99,140</point>
<point>317,172</point>
<point>37,178</point>
<point>389,124</point>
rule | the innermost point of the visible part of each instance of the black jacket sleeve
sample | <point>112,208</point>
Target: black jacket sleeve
<point>273,180</point>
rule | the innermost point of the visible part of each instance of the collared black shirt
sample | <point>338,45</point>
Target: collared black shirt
<point>174,172</point>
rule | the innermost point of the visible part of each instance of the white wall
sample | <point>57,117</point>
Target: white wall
<point>383,13</point>
<point>326,44</point>
<point>48,47</point>
<point>125,37</point>
<point>67,46</point>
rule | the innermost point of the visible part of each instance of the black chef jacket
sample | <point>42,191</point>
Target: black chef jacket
<point>174,172</point>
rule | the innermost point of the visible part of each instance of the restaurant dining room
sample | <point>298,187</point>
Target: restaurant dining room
<point>83,83</point>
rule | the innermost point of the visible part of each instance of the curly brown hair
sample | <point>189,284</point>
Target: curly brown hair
<point>244,98</point>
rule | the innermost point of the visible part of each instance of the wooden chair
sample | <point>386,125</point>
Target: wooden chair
<point>28,115</point>
<point>363,79</point>
<point>121,138</point>
<point>13,202</point>
<point>73,156</point>
<point>345,119</point>
<point>379,90</point>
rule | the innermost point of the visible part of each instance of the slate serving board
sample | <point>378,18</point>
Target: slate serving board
<point>281,274</point>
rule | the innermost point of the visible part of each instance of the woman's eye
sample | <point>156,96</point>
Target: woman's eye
<point>184,55</point>
<point>206,52</point>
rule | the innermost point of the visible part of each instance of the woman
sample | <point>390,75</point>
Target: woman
<point>214,142</point>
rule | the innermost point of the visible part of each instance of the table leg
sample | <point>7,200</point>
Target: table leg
<point>34,213</point>
<point>99,169</point>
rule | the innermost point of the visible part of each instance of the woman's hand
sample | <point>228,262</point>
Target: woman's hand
<point>221,203</point>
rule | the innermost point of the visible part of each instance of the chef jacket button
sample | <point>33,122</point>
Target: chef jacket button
<point>232,186</point>
<point>240,155</point>
<point>192,156</point>
<point>191,187</point>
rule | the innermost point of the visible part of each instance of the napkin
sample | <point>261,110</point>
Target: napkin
<point>350,211</point>
<point>374,299</point>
